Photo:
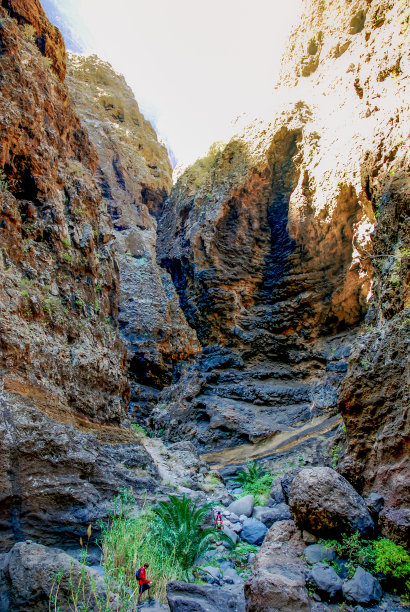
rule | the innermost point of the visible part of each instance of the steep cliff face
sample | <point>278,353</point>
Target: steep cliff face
<point>270,244</point>
<point>63,365</point>
<point>135,175</point>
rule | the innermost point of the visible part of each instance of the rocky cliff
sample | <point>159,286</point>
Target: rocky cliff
<point>280,242</point>
<point>135,176</point>
<point>64,391</point>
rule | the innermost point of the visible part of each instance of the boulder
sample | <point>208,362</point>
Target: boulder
<point>278,579</point>
<point>27,577</point>
<point>363,588</point>
<point>253,531</point>
<point>188,597</point>
<point>308,537</point>
<point>276,493</point>
<point>286,482</point>
<point>243,505</point>
<point>231,576</point>
<point>211,574</point>
<point>317,553</point>
<point>325,503</point>
<point>268,516</point>
<point>326,582</point>
<point>374,503</point>
<point>230,533</point>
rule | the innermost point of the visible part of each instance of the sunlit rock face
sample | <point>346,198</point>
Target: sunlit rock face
<point>270,242</point>
<point>64,387</point>
<point>135,175</point>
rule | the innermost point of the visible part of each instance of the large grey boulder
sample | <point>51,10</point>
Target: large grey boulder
<point>326,582</point>
<point>268,516</point>
<point>325,503</point>
<point>363,588</point>
<point>188,597</point>
<point>317,553</point>
<point>278,580</point>
<point>243,505</point>
<point>253,531</point>
<point>27,577</point>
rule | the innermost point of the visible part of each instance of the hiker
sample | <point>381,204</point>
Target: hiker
<point>145,584</point>
<point>218,521</point>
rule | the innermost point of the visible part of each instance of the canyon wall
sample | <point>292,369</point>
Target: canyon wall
<point>135,175</point>
<point>280,242</point>
<point>64,387</point>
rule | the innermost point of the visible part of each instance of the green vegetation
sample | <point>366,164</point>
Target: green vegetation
<point>335,453</point>
<point>393,561</point>
<point>3,181</point>
<point>139,429</point>
<point>380,556</point>
<point>169,537</point>
<point>255,481</point>
<point>365,363</point>
<point>241,553</point>
<point>66,242</point>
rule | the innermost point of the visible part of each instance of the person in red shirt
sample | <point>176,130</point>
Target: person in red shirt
<point>218,521</point>
<point>145,584</point>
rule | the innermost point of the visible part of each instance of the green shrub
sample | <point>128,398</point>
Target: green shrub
<point>255,481</point>
<point>392,560</point>
<point>180,528</point>
<point>355,549</point>
<point>240,554</point>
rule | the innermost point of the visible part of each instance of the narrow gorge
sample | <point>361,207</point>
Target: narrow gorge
<point>158,338</point>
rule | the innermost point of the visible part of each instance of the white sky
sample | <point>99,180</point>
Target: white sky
<point>193,66</point>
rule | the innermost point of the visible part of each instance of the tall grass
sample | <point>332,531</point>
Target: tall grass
<point>128,543</point>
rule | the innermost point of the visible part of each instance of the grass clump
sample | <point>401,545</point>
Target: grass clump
<point>255,481</point>
<point>393,561</point>
<point>168,536</point>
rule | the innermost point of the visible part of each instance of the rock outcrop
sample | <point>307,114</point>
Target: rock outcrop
<point>135,176</point>
<point>278,580</point>
<point>32,575</point>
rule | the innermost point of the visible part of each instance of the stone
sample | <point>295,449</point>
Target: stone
<point>326,581</point>
<point>230,576</point>
<point>212,574</point>
<point>324,502</point>
<point>184,597</point>
<point>268,516</point>
<point>363,588</point>
<point>286,482</point>
<point>276,493</point>
<point>308,537</point>
<point>374,503</point>
<point>243,505</point>
<point>278,579</point>
<point>253,531</point>
<point>27,577</point>
<point>230,533</point>
<point>317,553</point>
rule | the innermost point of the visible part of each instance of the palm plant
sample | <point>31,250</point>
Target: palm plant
<point>179,522</point>
<point>250,474</point>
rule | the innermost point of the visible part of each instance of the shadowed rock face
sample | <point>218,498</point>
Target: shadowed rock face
<point>135,176</point>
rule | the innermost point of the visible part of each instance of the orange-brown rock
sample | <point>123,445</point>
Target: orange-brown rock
<point>37,28</point>
<point>64,386</point>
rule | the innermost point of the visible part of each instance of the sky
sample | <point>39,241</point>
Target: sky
<point>193,66</point>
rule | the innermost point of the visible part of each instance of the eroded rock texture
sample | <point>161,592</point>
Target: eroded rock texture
<point>270,243</point>
<point>64,388</point>
<point>135,175</point>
